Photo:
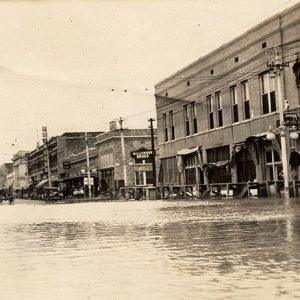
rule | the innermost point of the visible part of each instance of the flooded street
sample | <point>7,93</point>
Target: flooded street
<point>217,249</point>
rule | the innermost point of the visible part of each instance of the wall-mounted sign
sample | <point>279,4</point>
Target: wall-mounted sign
<point>141,154</point>
<point>66,165</point>
<point>86,181</point>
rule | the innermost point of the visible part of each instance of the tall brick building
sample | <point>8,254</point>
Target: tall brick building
<point>213,115</point>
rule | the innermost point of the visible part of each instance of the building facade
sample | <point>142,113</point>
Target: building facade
<point>5,169</point>
<point>76,172</point>
<point>214,114</point>
<point>124,158</point>
<point>19,170</point>
<point>57,149</point>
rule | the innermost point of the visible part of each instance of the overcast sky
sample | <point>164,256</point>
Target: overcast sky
<point>60,60</point>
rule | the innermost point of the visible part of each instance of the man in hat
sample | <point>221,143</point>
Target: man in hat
<point>294,163</point>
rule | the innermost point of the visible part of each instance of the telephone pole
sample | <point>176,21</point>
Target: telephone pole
<point>151,120</point>
<point>124,158</point>
<point>45,142</point>
<point>88,165</point>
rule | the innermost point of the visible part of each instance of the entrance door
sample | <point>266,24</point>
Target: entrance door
<point>245,166</point>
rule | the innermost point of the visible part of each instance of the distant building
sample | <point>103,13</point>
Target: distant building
<point>214,114</point>
<point>59,148</point>
<point>5,169</point>
<point>19,170</point>
<point>76,171</point>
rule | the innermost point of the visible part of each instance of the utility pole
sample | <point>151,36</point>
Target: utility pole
<point>278,66</point>
<point>88,165</point>
<point>124,158</point>
<point>151,120</point>
<point>45,142</point>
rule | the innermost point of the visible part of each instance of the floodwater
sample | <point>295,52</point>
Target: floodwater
<point>216,249</point>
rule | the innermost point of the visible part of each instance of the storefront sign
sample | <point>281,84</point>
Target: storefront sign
<point>144,154</point>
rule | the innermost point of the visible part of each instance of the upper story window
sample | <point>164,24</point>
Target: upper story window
<point>246,99</point>
<point>268,93</point>
<point>219,108</point>
<point>194,117</point>
<point>234,103</point>
<point>165,125</point>
<point>172,128</point>
<point>210,111</point>
<point>186,120</point>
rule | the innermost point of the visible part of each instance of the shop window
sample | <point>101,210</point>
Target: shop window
<point>273,166</point>
<point>234,103</point>
<point>246,99</point>
<point>169,171</point>
<point>268,93</point>
<point>219,109</point>
<point>143,178</point>
<point>190,160</point>
<point>218,154</point>
<point>210,111</point>
<point>190,176</point>
<point>186,120</point>
<point>190,163</point>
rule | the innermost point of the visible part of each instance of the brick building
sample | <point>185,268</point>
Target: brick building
<point>213,115</point>
<point>112,162</point>
<point>59,148</point>
<point>76,171</point>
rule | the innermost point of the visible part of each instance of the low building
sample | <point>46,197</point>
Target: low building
<point>125,158</point>
<point>214,114</point>
<point>76,172</point>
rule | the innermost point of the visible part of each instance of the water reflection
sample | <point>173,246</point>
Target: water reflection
<point>151,250</point>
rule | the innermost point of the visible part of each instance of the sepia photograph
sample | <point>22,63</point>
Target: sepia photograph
<point>149,149</point>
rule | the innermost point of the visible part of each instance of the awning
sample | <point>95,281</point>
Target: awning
<point>41,183</point>
<point>259,135</point>
<point>187,151</point>
<point>216,164</point>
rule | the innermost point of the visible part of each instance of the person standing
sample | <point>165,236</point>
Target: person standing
<point>294,162</point>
